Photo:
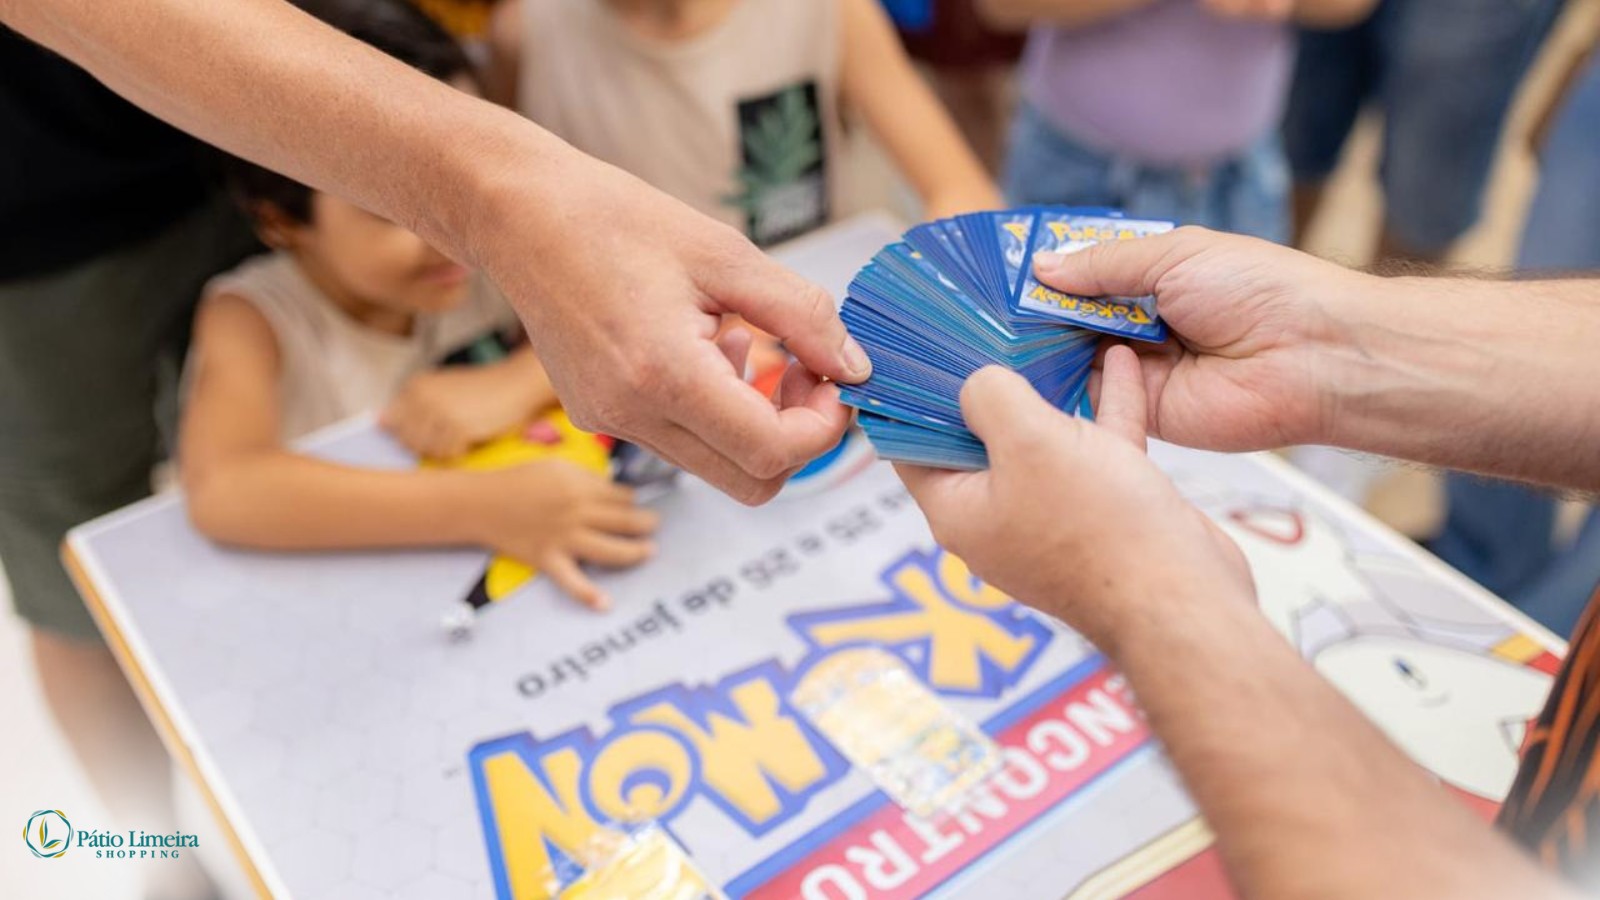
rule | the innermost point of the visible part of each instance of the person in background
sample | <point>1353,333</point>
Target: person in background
<point>1502,534</point>
<point>735,106</point>
<point>1444,73</point>
<point>350,313</point>
<point>1166,109</point>
<point>108,227</point>
<point>969,63</point>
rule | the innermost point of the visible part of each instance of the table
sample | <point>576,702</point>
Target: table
<point>353,750</point>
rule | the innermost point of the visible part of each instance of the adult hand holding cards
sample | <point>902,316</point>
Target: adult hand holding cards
<point>959,294</point>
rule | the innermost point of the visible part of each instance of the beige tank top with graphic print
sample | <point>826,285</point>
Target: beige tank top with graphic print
<point>740,122</point>
<point>332,367</point>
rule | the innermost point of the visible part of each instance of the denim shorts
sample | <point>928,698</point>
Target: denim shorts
<point>1444,73</point>
<point>1563,230</point>
<point>1247,193</point>
<point>1502,534</point>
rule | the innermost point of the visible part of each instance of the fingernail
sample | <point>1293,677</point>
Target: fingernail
<point>856,362</point>
<point>1048,261</point>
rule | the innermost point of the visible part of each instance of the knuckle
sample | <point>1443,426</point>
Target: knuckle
<point>818,305</point>
<point>643,373</point>
<point>726,249</point>
<point>767,463</point>
<point>755,493</point>
<point>606,412</point>
<point>583,416</point>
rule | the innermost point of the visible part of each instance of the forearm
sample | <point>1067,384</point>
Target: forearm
<point>1067,13</point>
<point>907,118</point>
<point>275,500</point>
<point>1306,797</point>
<point>1495,377</point>
<point>265,81</point>
<point>934,155</point>
<point>945,172</point>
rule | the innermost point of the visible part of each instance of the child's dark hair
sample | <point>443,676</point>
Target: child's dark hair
<point>397,28</point>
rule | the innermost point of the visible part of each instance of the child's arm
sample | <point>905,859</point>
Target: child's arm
<point>905,116</point>
<point>444,413</point>
<point>243,487</point>
<point>504,67</point>
<point>1065,13</point>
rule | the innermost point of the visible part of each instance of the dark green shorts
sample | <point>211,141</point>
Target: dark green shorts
<point>89,358</point>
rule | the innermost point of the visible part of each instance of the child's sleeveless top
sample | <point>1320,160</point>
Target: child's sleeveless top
<point>332,367</point>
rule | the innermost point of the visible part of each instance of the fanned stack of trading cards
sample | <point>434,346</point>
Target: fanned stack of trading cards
<point>959,294</point>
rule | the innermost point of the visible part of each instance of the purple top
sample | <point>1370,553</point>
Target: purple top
<point>1166,84</point>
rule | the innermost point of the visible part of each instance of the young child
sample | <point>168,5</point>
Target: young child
<point>351,312</point>
<point>734,106</point>
<point>1168,109</point>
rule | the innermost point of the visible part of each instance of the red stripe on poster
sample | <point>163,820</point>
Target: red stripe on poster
<point>1049,755</point>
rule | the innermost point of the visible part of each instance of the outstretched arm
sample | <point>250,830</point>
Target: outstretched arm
<point>1275,347</point>
<point>1496,377</point>
<point>622,288</point>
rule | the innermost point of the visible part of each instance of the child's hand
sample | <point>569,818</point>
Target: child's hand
<point>554,516</point>
<point>444,413</point>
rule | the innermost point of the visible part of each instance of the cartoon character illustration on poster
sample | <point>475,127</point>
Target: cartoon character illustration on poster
<point>1452,684</point>
<point>1461,714</point>
<point>1300,566</point>
<point>1419,677</point>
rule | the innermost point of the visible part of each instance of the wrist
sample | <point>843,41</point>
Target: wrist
<point>1137,623</point>
<point>1400,354</point>
<point>461,499</point>
<point>502,170</point>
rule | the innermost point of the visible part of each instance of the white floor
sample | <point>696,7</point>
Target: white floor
<point>37,771</point>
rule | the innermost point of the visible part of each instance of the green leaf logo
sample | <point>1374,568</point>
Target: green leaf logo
<point>40,841</point>
<point>782,146</point>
